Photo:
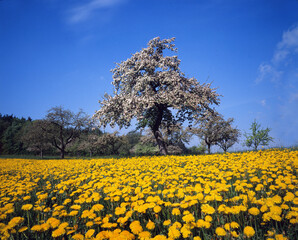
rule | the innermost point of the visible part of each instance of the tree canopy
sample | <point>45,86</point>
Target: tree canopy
<point>258,136</point>
<point>151,88</point>
<point>63,126</point>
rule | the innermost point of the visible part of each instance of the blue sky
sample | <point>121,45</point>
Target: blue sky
<point>57,52</point>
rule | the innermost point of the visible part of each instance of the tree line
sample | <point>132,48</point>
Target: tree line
<point>76,134</point>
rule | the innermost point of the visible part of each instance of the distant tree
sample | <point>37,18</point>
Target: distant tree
<point>109,143</point>
<point>151,88</point>
<point>89,144</point>
<point>35,138</point>
<point>63,126</point>
<point>5,122</point>
<point>11,137</point>
<point>257,136</point>
<point>228,135</point>
<point>133,137</point>
<point>201,149</point>
<point>209,129</point>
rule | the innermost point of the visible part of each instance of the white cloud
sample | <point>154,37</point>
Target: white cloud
<point>288,45</point>
<point>266,71</point>
<point>84,11</point>
<point>286,49</point>
<point>289,39</point>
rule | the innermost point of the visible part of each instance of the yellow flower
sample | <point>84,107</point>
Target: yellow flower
<point>27,207</point>
<point>73,213</point>
<point>89,233</point>
<point>58,232</point>
<point>120,210</point>
<point>234,234</point>
<point>89,224</point>
<point>15,221</point>
<point>167,222</point>
<point>23,229</point>
<point>207,209</point>
<point>144,235</point>
<point>188,218</point>
<point>280,237</point>
<point>249,231</point>
<point>136,227</point>
<point>157,209</point>
<point>173,232</point>
<point>234,225</point>
<point>289,197</point>
<point>197,238</point>
<point>53,222</point>
<point>220,232</point>
<point>98,207</point>
<point>75,207</point>
<point>254,211</point>
<point>159,237</point>
<point>185,230</point>
<point>78,236</point>
<point>63,225</point>
<point>36,228</point>
<point>208,218</point>
<point>26,198</point>
<point>150,225</point>
<point>176,211</point>
<point>227,226</point>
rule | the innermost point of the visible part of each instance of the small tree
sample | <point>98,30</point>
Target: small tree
<point>258,136</point>
<point>228,135</point>
<point>209,129</point>
<point>63,126</point>
<point>148,87</point>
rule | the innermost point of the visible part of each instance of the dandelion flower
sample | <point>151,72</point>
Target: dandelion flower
<point>27,207</point>
<point>89,233</point>
<point>145,235</point>
<point>220,232</point>
<point>167,222</point>
<point>78,236</point>
<point>150,225</point>
<point>58,232</point>
<point>176,211</point>
<point>157,209</point>
<point>197,238</point>
<point>135,227</point>
<point>254,211</point>
<point>249,231</point>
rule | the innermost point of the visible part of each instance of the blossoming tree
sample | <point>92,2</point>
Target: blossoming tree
<point>151,88</point>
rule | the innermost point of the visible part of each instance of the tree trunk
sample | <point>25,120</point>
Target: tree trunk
<point>160,142</point>
<point>155,129</point>
<point>41,154</point>
<point>209,148</point>
<point>62,152</point>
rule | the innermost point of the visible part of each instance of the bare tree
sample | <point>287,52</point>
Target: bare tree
<point>149,86</point>
<point>63,126</point>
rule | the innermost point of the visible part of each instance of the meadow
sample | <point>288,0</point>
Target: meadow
<point>249,195</point>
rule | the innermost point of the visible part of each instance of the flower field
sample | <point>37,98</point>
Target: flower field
<point>227,196</point>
